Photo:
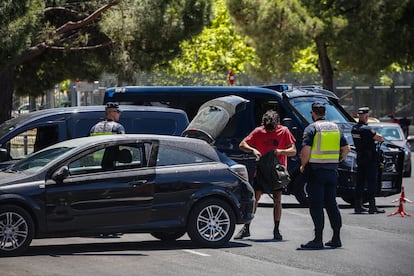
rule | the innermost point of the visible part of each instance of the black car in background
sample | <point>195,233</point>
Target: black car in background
<point>158,184</point>
<point>293,103</point>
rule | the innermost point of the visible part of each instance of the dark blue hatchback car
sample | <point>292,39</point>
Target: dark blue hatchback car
<point>159,184</point>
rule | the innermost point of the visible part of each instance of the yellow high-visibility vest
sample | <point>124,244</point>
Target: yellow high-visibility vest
<point>326,143</point>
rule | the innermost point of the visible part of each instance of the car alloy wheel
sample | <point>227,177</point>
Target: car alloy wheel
<point>211,223</point>
<point>16,230</point>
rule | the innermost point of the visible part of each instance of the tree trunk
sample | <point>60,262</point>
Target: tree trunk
<point>325,64</point>
<point>6,92</point>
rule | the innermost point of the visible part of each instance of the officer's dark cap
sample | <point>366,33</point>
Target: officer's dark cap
<point>363,110</point>
<point>319,108</point>
<point>112,105</point>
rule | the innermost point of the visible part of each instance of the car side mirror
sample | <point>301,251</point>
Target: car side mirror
<point>61,174</point>
<point>4,155</point>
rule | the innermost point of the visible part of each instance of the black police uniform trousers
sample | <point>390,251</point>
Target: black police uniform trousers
<point>322,194</point>
<point>366,175</point>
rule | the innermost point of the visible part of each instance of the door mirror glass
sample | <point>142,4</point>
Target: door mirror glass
<point>61,174</point>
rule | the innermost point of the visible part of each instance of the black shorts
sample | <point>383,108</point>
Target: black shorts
<point>257,186</point>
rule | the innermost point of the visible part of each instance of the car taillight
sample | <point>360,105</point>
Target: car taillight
<point>240,170</point>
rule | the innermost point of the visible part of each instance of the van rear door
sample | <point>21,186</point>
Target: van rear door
<point>213,116</point>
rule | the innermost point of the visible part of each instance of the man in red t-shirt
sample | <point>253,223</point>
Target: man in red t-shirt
<point>270,136</point>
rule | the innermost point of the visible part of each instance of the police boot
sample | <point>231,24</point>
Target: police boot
<point>335,241</point>
<point>373,208</point>
<point>359,209</point>
<point>244,232</point>
<point>316,243</point>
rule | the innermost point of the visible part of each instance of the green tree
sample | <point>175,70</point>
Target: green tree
<point>45,42</point>
<point>150,34</point>
<point>347,35</point>
<point>277,29</point>
<point>219,48</point>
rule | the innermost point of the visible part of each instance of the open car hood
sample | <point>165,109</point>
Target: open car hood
<point>213,116</point>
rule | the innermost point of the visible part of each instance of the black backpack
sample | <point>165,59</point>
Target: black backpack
<point>271,174</point>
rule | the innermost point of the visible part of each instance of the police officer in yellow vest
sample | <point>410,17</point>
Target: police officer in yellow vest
<point>323,147</point>
<point>110,125</point>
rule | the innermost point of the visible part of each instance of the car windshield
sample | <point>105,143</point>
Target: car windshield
<point>37,161</point>
<point>391,133</point>
<point>303,105</point>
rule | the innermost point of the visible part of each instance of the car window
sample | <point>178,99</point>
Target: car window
<point>168,155</point>
<point>111,158</point>
<point>390,133</point>
<point>32,140</point>
<point>261,105</point>
<point>37,161</point>
<point>303,106</point>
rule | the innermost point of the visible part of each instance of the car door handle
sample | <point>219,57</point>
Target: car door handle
<point>138,183</point>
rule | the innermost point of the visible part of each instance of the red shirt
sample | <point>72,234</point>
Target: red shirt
<point>263,141</point>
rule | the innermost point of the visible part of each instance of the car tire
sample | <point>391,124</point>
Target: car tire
<point>211,223</point>
<point>349,199</point>
<point>168,236</point>
<point>407,173</point>
<point>16,230</point>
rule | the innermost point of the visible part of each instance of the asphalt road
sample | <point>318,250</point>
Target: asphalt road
<point>372,245</point>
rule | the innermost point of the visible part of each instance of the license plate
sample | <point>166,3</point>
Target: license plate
<point>386,184</point>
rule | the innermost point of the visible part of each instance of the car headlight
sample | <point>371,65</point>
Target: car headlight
<point>389,164</point>
<point>240,170</point>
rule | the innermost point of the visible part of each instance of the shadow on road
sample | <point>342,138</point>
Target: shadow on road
<point>298,206</point>
<point>116,248</point>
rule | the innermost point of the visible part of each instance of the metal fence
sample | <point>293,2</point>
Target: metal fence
<point>385,94</point>
<point>383,100</point>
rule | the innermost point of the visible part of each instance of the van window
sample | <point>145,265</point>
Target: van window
<point>32,140</point>
<point>261,105</point>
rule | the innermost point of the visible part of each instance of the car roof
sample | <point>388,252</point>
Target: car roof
<point>286,90</point>
<point>124,137</point>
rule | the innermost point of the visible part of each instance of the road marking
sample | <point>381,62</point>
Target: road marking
<point>196,253</point>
